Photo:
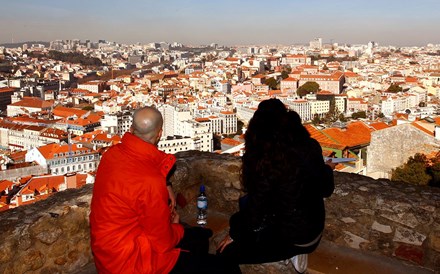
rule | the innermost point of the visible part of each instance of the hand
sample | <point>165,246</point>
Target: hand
<point>175,218</point>
<point>224,243</point>
<point>172,197</point>
<point>331,164</point>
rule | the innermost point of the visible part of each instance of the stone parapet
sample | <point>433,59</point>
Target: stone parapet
<point>373,216</point>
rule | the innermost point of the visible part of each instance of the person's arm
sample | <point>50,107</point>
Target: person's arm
<point>157,219</point>
<point>324,172</point>
<point>171,197</point>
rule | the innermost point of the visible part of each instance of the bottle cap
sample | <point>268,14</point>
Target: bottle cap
<point>202,188</point>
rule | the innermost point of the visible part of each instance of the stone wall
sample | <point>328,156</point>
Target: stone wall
<point>374,216</point>
<point>391,147</point>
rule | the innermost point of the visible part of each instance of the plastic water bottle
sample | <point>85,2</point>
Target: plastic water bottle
<point>202,206</point>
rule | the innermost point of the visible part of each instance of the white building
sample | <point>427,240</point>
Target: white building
<point>62,159</point>
<point>174,144</point>
<point>118,123</point>
<point>302,107</point>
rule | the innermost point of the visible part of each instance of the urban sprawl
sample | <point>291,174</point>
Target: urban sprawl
<point>63,103</point>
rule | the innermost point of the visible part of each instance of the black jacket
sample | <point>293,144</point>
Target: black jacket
<point>292,205</point>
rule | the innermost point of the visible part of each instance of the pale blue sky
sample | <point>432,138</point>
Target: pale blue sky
<point>226,22</point>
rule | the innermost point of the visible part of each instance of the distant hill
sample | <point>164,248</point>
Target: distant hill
<point>20,44</point>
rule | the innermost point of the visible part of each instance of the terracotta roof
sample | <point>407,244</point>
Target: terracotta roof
<point>5,184</point>
<point>226,112</point>
<point>290,79</point>
<point>32,102</point>
<point>379,125</point>
<point>355,134</point>
<point>43,183</point>
<point>109,138</point>
<point>231,142</point>
<point>322,138</point>
<point>202,120</point>
<point>49,151</point>
<point>7,90</point>
<point>66,112</point>
<point>18,156</point>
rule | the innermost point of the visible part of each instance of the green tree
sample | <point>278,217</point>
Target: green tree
<point>306,88</point>
<point>316,120</point>
<point>394,88</point>
<point>342,117</point>
<point>285,73</point>
<point>88,108</point>
<point>360,114</point>
<point>434,171</point>
<point>272,83</point>
<point>333,114</point>
<point>414,171</point>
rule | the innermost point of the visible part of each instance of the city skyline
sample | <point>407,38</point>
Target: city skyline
<point>399,23</point>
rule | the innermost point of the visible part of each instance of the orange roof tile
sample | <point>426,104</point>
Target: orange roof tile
<point>32,102</point>
<point>49,151</point>
<point>379,125</point>
<point>355,134</point>
<point>322,139</point>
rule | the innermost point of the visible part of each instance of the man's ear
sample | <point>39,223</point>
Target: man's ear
<point>159,135</point>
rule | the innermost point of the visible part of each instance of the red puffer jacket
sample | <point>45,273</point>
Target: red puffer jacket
<point>130,221</point>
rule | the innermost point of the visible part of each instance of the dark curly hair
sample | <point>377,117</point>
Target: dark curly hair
<point>271,140</point>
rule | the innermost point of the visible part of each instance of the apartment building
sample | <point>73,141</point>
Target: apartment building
<point>289,84</point>
<point>24,137</point>
<point>332,82</point>
<point>174,144</point>
<point>294,60</point>
<point>5,97</point>
<point>93,86</point>
<point>28,106</point>
<point>62,159</point>
<point>118,123</point>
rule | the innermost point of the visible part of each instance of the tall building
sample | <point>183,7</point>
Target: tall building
<point>316,43</point>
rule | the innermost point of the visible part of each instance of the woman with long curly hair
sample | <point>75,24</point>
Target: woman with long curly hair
<point>286,180</point>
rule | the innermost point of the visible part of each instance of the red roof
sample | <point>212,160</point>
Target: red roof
<point>5,184</point>
<point>66,112</point>
<point>49,151</point>
<point>355,134</point>
<point>32,102</point>
<point>379,125</point>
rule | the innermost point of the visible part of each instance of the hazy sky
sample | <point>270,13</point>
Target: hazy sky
<point>226,22</point>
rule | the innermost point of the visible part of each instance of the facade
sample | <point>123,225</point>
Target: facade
<point>93,86</point>
<point>5,97</point>
<point>391,147</point>
<point>28,106</point>
<point>319,107</point>
<point>294,60</point>
<point>174,144</point>
<point>62,159</point>
<point>289,85</point>
<point>118,123</point>
<point>330,82</point>
<point>302,107</point>
<point>229,122</point>
<point>27,137</point>
<point>356,105</point>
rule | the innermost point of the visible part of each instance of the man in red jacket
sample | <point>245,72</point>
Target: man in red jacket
<point>133,229</point>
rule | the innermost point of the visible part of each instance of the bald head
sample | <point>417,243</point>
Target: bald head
<point>147,124</point>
